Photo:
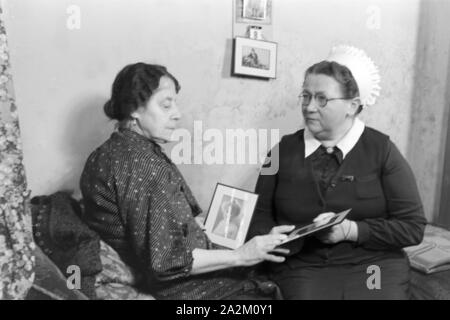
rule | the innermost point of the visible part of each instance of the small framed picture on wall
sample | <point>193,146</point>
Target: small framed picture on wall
<point>253,11</point>
<point>255,58</point>
<point>229,216</point>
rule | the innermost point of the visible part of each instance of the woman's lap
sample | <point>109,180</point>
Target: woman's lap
<point>353,282</point>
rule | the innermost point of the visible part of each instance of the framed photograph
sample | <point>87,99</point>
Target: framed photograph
<point>316,226</point>
<point>255,58</point>
<point>229,215</point>
<point>253,11</point>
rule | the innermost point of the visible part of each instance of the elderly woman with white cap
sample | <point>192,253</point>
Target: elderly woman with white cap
<point>337,163</point>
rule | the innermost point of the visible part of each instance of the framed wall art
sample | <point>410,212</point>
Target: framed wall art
<point>255,58</point>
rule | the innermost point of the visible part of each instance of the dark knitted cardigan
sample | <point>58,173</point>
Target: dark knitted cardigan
<point>65,239</point>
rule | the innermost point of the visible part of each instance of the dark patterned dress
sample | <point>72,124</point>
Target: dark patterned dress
<point>138,202</point>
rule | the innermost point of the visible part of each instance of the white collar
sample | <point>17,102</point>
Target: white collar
<point>346,144</point>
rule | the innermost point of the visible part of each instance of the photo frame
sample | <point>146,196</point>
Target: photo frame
<point>229,216</point>
<point>244,12</point>
<point>316,226</point>
<point>255,58</point>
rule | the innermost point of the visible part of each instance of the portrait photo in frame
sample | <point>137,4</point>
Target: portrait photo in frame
<point>255,58</point>
<point>229,216</point>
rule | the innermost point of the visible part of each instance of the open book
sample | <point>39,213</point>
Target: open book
<point>433,253</point>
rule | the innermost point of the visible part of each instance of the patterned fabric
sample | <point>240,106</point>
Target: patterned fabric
<point>138,202</point>
<point>65,239</point>
<point>113,268</point>
<point>16,243</point>
<point>116,281</point>
<point>50,283</point>
<point>433,253</point>
<point>435,286</point>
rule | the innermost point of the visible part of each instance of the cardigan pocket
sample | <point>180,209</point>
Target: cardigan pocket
<point>368,186</point>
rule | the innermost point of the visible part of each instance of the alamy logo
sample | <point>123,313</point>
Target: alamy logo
<point>229,146</point>
<point>374,18</point>
<point>74,18</point>
<point>74,279</point>
<point>374,280</point>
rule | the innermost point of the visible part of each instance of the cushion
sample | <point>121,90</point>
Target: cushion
<point>49,282</point>
<point>117,281</point>
<point>430,260</point>
<point>434,286</point>
<point>433,253</point>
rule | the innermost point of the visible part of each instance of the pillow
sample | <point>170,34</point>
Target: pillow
<point>116,281</point>
<point>433,253</point>
<point>49,282</point>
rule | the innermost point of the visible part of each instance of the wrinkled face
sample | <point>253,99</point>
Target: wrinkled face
<point>324,122</point>
<point>158,119</point>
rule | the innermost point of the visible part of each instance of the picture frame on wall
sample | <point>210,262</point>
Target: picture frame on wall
<point>255,58</point>
<point>253,11</point>
<point>229,216</point>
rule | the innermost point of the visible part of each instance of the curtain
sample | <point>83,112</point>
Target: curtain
<point>16,243</point>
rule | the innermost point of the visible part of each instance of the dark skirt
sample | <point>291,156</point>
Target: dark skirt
<point>381,279</point>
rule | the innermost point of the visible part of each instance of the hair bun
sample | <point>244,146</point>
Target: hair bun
<point>109,110</point>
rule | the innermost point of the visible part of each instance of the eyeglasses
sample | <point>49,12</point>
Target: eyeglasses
<point>306,98</point>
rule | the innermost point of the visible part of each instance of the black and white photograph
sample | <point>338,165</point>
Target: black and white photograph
<point>255,58</point>
<point>254,9</point>
<point>229,216</point>
<point>204,150</point>
<point>257,12</point>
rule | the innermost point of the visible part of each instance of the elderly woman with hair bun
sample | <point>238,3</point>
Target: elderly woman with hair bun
<point>338,163</point>
<point>139,203</point>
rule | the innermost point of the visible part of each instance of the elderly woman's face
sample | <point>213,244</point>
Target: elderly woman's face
<point>158,119</point>
<point>323,122</point>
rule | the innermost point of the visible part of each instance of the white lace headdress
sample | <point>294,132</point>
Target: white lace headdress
<point>363,69</point>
